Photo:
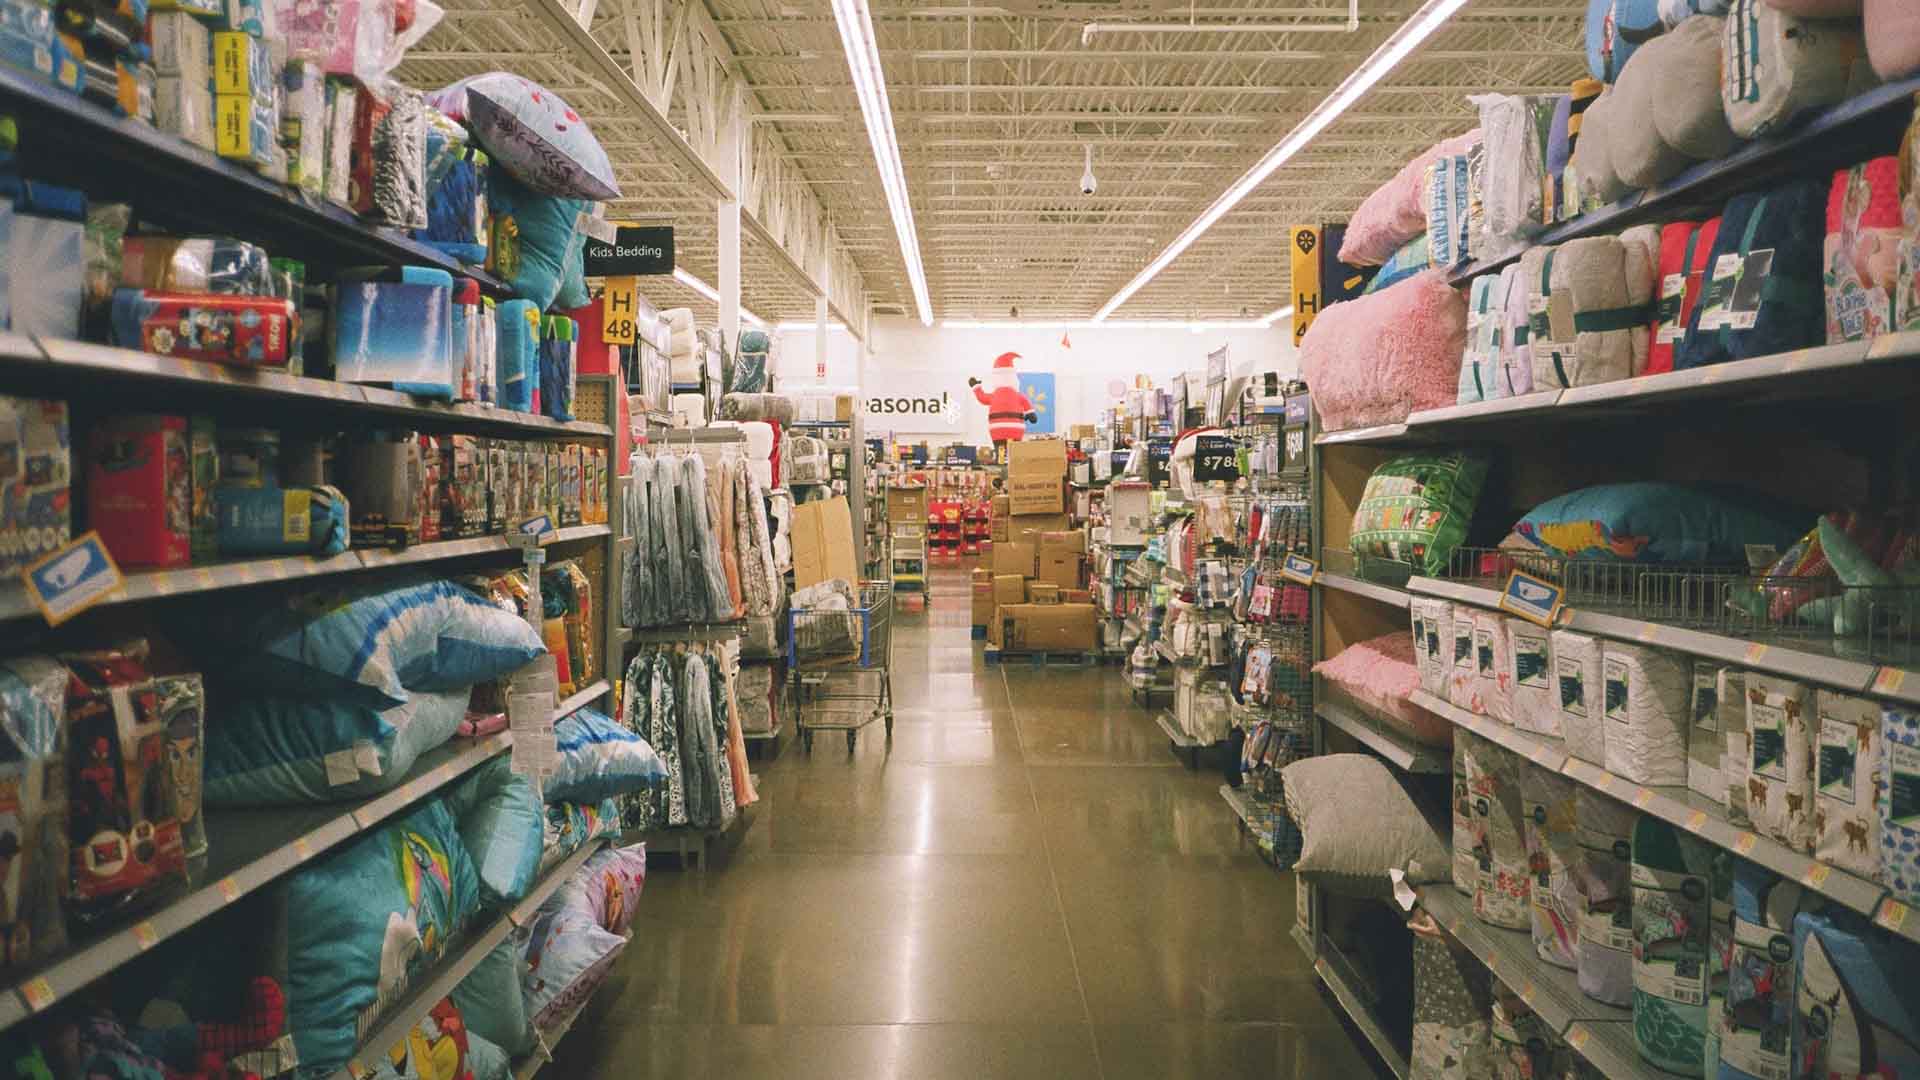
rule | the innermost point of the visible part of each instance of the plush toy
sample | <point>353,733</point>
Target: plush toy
<point>1008,410</point>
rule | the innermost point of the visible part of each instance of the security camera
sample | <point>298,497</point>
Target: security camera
<point>1088,182</point>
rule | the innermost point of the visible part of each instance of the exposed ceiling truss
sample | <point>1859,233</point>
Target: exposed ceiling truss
<point>994,106</point>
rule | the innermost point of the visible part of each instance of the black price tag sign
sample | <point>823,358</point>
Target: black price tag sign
<point>1215,457</point>
<point>1159,456</point>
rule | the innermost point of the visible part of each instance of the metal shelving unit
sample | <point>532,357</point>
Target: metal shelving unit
<point>1403,752</point>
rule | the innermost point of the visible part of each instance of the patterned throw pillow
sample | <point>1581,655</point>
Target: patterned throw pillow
<point>533,133</point>
<point>1416,509</point>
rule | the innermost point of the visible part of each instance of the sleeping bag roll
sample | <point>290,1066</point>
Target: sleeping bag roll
<point>1763,293</point>
<point>1492,666</point>
<point>1466,864</point>
<point>1856,1003</point>
<point>1581,694</point>
<point>1780,759</point>
<point>1686,249</point>
<point>1500,890</point>
<point>1899,824</point>
<point>1667,112</point>
<point>1648,695</point>
<point>1776,65</point>
<point>1603,830</point>
<point>1846,814</point>
<point>1547,807</point>
<point>1865,230</point>
<point>281,521</point>
<point>1597,309</point>
<point>1378,359</point>
<point>1535,698</point>
<point>1756,1018</point>
<point>1460,670</point>
<point>1672,914</point>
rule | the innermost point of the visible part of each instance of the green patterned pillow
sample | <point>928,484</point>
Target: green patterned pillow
<point>1416,509</point>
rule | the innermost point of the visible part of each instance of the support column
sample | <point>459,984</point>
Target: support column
<point>820,317</point>
<point>733,143</point>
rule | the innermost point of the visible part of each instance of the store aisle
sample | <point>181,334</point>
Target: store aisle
<point>1026,884</point>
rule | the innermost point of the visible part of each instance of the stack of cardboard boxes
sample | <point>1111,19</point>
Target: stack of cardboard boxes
<point>1032,599</point>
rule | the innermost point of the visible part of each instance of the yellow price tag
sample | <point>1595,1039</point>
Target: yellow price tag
<point>1577,1036</point>
<point>144,935</point>
<point>229,889</point>
<point>1889,680</point>
<point>302,848</point>
<point>1696,820</point>
<point>38,992</point>
<point>1642,797</point>
<point>1892,915</point>
<point>617,311</point>
<point>1816,875</point>
<point>1756,653</point>
<point>1648,632</point>
<point>1744,843</point>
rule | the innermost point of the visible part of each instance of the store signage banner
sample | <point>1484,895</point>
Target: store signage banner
<point>1037,387</point>
<point>1305,247</point>
<point>914,400</point>
<point>635,249</point>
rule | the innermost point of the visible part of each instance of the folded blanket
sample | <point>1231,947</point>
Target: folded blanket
<point>1777,65</point>
<point>1480,364</point>
<point>1685,247</point>
<point>1862,259</point>
<point>775,407</point>
<point>1893,38</point>
<point>1667,112</point>
<point>1395,212</point>
<point>1376,359</point>
<point>1615,31</point>
<point>1763,293</point>
<point>1516,130</point>
<point>1596,318</point>
<point>679,320</point>
<point>685,370</point>
<point>1515,330</point>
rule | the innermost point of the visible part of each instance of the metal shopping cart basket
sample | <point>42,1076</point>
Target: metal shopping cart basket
<point>839,658</point>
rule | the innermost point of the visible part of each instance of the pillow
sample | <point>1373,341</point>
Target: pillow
<point>1779,66</point>
<point>599,759</point>
<point>1653,522</point>
<point>533,134</point>
<point>1378,676</point>
<point>567,825</point>
<point>491,998</point>
<point>1667,111</point>
<point>609,883</point>
<point>568,954</point>
<point>1893,38</point>
<point>1351,853</point>
<point>503,826</point>
<point>1416,509</point>
<point>372,644</point>
<point>1412,257</point>
<point>1396,213</point>
<point>487,1060</point>
<point>273,751</point>
<point>543,263</point>
<point>1378,359</point>
<point>1615,30</point>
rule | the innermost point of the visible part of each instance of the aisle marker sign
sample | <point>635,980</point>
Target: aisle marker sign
<point>1299,568</point>
<point>1304,244</point>
<point>1536,600</point>
<point>617,311</point>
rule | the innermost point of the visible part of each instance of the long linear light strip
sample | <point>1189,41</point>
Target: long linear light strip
<point>713,294</point>
<point>870,84</point>
<point>1274,317</point>
<point>1431,16</point>
<point>1116,324</point>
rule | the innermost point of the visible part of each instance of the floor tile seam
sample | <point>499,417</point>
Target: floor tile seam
<point>1053,879</point>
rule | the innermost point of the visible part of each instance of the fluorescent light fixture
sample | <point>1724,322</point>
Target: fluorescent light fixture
<point>1415,30</point>
<point>806,327</point>
<point>1273,317</point>
<point>1114,324</point>
<point>713,294</point>
<point>870,83</point>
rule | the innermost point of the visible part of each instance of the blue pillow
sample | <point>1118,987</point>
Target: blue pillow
<point>1412,258</point>
<point>1615,28</point>
<point>493,1004</point>
<point>547,269</point>
<point>373,644</point>
<point>271,751</point>
<point>1652,522</point>
<point>503,826</point>
<point>599,759</point>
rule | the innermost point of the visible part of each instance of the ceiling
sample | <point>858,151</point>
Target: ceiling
<point>993,107</point>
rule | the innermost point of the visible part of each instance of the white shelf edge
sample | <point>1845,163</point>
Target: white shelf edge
<point>1396,748</point>
<point>1385,594</point>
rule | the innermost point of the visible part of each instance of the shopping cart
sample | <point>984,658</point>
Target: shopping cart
<point>840,662</point>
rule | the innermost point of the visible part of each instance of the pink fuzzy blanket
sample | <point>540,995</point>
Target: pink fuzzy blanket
<point>1396,211</point>
<point>1378,676</point>
<point>1893,38</point>
<point>1376,359</point>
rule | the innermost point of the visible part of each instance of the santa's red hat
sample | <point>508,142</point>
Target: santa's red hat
<point>1005,359</point>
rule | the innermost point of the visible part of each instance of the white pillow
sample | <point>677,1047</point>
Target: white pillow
<point>1348,850</point>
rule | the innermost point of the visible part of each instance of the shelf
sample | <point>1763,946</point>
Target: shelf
<point>155,584</point>
<point>1332,967</point>
<point>582,698</point>
<point>57,366</point>
<point>1829,139</point>
<point>1174,734</point>
<point>67,139</point>
<point>1385,594</point>
<point>1395,747</point>
<point>1378,434</point>
<point>471,949</point>
<point>1800,658</point>
<point>1241,805</point>
<point>1685,809</point>
<point>1551,992</point>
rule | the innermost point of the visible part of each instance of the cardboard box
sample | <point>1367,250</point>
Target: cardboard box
<point>139,490</point>
<point>1009,589</point>
<point>1042,592</point>
<point>983,601</point>
<point>1129,512</point>
<point>1076,596</point>
<point>1012,557</point>
<point>497,506</point>
<point>203,467</point>
<point>1001,511</point>
<point>907,503</point>
<point>1059,557</point>
<point>823,543</point>
<point>426,512</point>
<point>463,486</point>
<point>1047,627</point>
<point>1029,527</point>
<point>38,487</point>
<point>1036,476</point>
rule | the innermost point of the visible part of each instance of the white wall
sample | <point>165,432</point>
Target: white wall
<point>908,359</point>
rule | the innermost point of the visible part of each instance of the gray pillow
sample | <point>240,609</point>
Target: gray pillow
<point>1356,823</point>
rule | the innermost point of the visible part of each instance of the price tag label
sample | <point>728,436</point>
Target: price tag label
<point>1889,680</point>
<point>38,992</point>
<point>1299,568</point>
<point>1892,915</point>
<point>1816,875</point>
<point>1577,1036</point>
<point>1536,600</point>
<point>1642,797</point>
<point>302,849</point>
<point>144,935</point>
<point>1648,632</point>
<point>1527,992</point>
<point>1756,653</point>
<point>1744,843</point>
<point>204,576</point>
<point>72,579</point>
<point>159,584</point>
<point>1215,458</point>
<point>1696,820</point>
<point>617,309</point>
<point>229,889</point>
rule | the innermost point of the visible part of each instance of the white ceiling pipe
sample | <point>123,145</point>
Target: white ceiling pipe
<point>1352,24</point>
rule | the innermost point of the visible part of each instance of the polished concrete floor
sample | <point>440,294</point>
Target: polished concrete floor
<point>1025,883</point>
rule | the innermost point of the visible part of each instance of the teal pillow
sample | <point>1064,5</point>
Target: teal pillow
<point>600,759</point>
<point>492,1001</point>
<point>503,825</point>
<point>1413,257</point>
<point>272,751</point>
<point>1654,522</point>
<point>546,265</point>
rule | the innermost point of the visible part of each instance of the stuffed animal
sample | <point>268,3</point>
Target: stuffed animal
<point>1008,410</point>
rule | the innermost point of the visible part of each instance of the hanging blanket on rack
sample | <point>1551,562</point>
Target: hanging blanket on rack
<point>721,479</point>
<point>1378,359</point>
<point>1776,66</point>
<point>1763,294</point>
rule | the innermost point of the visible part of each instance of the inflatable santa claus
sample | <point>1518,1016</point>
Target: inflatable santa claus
<point>1008,410</point>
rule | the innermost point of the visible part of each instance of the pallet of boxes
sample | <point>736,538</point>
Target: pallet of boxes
<point>1040,606</point>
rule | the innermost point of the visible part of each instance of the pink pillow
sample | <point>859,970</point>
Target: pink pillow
<point>1818,9</point>
<point>1893,37</point>
<point>1396,212</point>
<point>1379,676</point>
<point>1376,359</point>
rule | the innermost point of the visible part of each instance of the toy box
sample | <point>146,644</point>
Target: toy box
<point>139,489</point>
<point>569,493</point>
<point>36,486</point>
<point>463,487</point>
<point>249,331</point>
<point>497,505</point>
<point>383,477</point>
<point>33,810</point>
<point>550,469</point>
<point>246,127</point>
<point>426,515</point>
<point>203,470</point>
<point>183,712</point>
<point>125,809</point>
<point>396,332</point>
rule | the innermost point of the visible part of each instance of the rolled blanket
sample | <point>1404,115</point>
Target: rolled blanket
<point>1778,65</point>
<point>1763,294</point>
<point>1480,365</point>
<point>1893,38</point>
<point>1685,248</point>
<point>1615,31</point>
<point>1379,358</point>
<point>1668,112</point>
<point>1395,212</point>
<point>1862,258</point>
<point>1595,318</point>
<point>774,407</point>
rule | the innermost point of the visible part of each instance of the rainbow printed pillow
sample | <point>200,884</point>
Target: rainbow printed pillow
<point>1651,522</point>
<point>532,133</point>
